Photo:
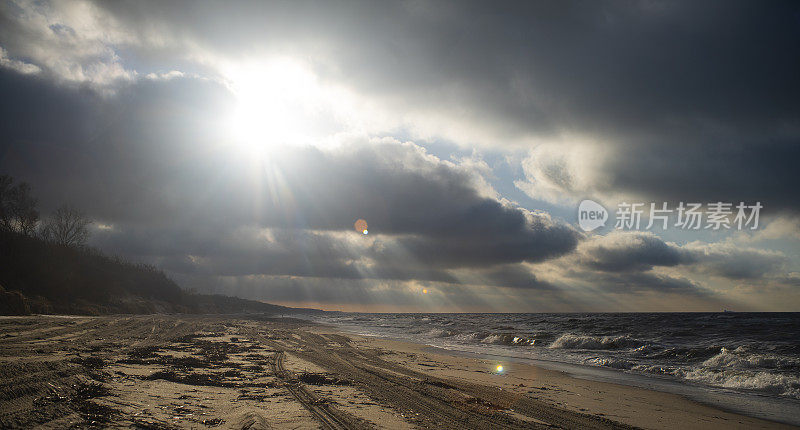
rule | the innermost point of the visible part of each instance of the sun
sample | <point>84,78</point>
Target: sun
<point>274,104</point>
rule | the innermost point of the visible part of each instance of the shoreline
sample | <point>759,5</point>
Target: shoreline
<point>245,371</point>
<point>704,414</point>
<point>765,407</point>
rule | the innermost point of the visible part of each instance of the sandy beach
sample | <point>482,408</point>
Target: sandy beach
<point>164,372</point>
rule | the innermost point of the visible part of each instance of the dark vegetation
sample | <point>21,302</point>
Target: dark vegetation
<point>46,267</point>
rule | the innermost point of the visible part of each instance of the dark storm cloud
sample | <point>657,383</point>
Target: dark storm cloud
<point>34,110</point>
<point>691,100</point>
<point>176,194</point>
<point>631,252</point>
<point>678,93</point>
<point>626,253</point>
<point>736,262</point>
<point>538,242</point>
<point>632,64</point>
<point>640,282</point>
<point>515,276</point>
<point>751,171</point>
<point>122,159</point>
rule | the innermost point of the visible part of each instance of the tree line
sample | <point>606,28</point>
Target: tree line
<point>47,267</point>
<point>19,214</point>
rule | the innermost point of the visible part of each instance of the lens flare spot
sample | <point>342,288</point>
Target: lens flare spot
<point>361,226</point>
<point>499,368</point>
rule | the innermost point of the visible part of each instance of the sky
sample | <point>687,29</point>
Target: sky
<point>235,144</point>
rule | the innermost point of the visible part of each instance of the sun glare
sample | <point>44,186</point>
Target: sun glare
<point>275,104</point>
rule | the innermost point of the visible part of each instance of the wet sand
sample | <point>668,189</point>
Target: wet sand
<point>164,372</point>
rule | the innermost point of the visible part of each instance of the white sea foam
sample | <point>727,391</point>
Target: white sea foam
<point>742,358</point>
<point>572,341</point>
<point>614,363</point>
<point>507,339</point>
<point>766,382</point>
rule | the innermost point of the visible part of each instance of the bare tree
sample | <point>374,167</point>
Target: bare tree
<point>25,212</point>
<point>17,207</point>
<point>6,219</point>
<point>67,226</point>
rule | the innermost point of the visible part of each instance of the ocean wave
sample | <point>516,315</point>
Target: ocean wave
<point>743,358</point>
<point>573,341</point>
<point>680,354</point>
<point>761,381</point>
<point>614,363</point>
<point>736,352</point>
<point>468,337</point>
<point>437,332</point>
<point>657,369</point>
<point>507,339</point>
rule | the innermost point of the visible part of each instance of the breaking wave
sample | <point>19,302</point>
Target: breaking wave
<point>747,352</point>
<point>760,381</point>
<point>572,341</point>
<point>507,339</point>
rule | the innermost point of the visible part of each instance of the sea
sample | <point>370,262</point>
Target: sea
<point>744,362</point>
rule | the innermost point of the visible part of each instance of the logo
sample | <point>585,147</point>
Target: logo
<point>686,216</point>
<point>591,215</point>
